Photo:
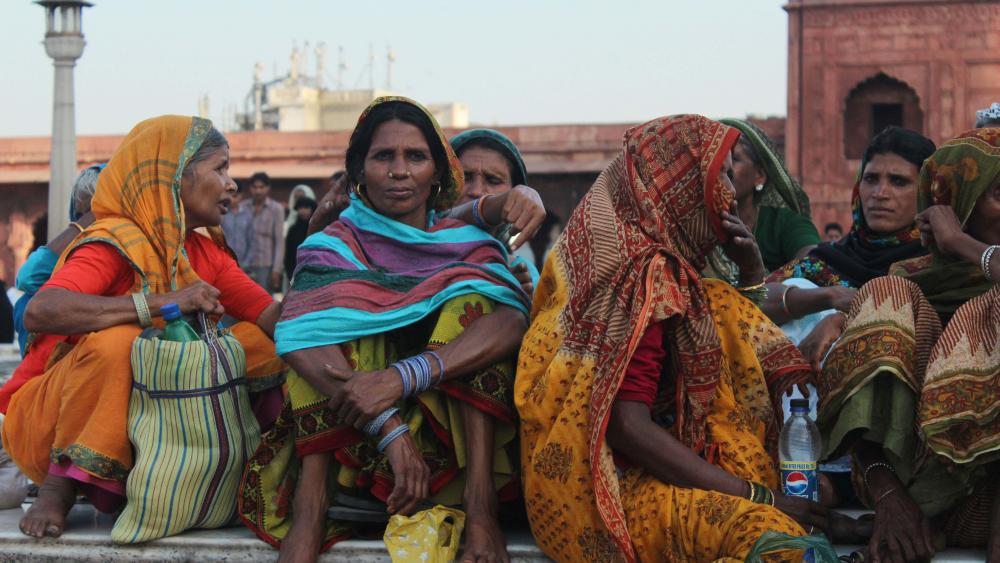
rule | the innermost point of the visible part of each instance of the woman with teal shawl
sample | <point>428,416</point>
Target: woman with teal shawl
<point>393,281</point>
<point>912,388</point>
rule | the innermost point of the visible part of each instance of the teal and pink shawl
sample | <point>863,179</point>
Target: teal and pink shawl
<point>367,274</point>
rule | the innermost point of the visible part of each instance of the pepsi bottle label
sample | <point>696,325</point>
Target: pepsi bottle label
<point>799,479</point>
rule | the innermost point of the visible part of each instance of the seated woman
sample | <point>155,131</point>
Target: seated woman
<point>917,405</point>
<point>66,405</point>
<point>884,204</point>
<point>492,166</point>
<point>631,358</point>
<point>495,173</point>
<point>398,314</point>
<point>769,202</point>
<point>37,269</point>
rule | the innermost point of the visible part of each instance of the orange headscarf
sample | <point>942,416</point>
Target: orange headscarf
<point>138,205</point>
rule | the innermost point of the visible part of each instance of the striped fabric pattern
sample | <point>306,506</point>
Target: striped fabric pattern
<point>193,430</point>
<point>367,274</point>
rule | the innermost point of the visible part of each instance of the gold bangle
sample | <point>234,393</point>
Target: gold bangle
<point>142,309</point>
<point>883,497</point>
<point>784,301</point>
<point>485,221</point>
<point>752,287</point>
<point>78,226</point>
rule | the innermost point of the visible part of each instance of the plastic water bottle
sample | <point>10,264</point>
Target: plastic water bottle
<point>799,451</point>
<point>177,329</point>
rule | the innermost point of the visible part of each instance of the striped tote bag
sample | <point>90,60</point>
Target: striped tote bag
<point>190,422</point>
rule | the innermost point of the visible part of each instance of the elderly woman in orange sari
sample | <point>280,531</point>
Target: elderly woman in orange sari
<point>632,360</point>
<point>66,405</point>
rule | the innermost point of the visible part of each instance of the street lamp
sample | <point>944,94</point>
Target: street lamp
<point>64,43</point>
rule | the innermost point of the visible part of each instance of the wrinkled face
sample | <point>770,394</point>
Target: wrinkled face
<point>487,172</point>
<point>746,174</point>
<point>888,192</point>
<point>207,190</point>
<point>259,191</point>
<point>400,149</point>
<point>984,222</point>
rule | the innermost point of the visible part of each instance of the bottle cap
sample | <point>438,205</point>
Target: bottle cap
<point>170,311</point>
<point>800,404</point>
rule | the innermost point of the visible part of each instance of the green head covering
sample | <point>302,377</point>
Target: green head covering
<point>780,190</point>
<point>497,141</point>
<point>957,174</point>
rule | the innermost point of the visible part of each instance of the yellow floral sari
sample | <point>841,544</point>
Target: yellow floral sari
<point>629,257</point>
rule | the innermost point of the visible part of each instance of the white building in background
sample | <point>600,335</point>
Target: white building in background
<point>297,102</point>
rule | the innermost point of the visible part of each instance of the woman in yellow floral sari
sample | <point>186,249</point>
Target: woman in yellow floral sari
<point>648,397</point>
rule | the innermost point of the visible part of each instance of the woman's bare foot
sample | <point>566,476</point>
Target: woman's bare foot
<point>47,515</point>
<point>304,539</point>
<point>484,542</point>
<point>847,530</point>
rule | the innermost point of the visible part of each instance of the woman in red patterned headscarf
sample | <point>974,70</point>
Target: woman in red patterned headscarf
<point>633,360</point>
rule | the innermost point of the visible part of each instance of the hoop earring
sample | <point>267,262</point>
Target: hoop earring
<point>437,190</point>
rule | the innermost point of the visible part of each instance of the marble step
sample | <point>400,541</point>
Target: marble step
<point>89,539</point>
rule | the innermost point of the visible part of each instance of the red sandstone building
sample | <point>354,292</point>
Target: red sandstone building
<point>855,66</point>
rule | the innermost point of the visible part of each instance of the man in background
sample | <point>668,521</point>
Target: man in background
<point>238,225</point>
<point>833,232</point>
<point>269,227</point>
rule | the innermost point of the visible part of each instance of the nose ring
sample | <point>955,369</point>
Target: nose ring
<point>399,177</point>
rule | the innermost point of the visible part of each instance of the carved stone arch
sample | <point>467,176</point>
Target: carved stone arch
<point>874,104</point>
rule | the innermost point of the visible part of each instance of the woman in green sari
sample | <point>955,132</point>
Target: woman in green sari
<point>769,202</point>
<point>912,388</point>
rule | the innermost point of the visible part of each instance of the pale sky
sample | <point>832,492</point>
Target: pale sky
<point>512,62</point>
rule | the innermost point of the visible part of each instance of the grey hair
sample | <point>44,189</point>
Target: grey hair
<point>83,190</point>
<point>214,141</point>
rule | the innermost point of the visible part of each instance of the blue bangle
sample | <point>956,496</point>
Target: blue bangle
<point>440,363</point>
<point>404,376</point>
<point>391,436</point>
<point>375,426</point>
<point>477,217</point>
<point>424,373</point>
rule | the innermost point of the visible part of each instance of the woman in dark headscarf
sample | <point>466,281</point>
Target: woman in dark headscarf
<point>884,232</point>
<point>911,388</point>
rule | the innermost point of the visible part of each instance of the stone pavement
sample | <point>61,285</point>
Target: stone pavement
<point>88,539</point>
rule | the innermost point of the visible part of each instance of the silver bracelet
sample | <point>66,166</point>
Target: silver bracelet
<point>391,436</point>
<point>142,309</point>
<point>376,424</point>
<point>864,476</point>
<point>984,261</point>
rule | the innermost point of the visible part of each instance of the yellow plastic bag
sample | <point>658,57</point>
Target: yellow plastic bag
<point>429,536</point>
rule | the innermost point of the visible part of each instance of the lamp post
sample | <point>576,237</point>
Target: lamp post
<point>64,43</point>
